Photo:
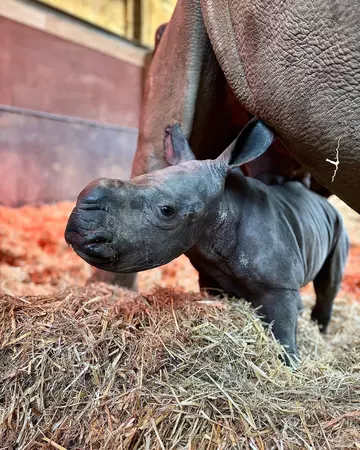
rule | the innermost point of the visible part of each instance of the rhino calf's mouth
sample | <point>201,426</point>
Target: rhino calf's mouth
<point>87,234</point>
<point>94,249</point>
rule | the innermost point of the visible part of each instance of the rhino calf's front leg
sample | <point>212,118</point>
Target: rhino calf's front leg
<point>280,308</point>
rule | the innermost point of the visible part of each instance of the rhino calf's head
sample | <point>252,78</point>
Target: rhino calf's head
<point>130,226</point>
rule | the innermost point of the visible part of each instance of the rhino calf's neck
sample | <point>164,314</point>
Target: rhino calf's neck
<point>262,243</point>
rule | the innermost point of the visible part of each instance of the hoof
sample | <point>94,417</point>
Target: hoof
<point>291,360</point>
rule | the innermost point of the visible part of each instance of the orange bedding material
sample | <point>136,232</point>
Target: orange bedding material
<point>35,259</point>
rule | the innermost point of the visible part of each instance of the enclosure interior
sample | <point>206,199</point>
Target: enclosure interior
<point>69,114</point>
<point>101,367</point>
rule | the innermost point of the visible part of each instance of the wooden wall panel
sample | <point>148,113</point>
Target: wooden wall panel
<point>120,16</point>
<point>42,72</point>
<point>35,14</point>
<point>107,14</point>
<point>46,159</point>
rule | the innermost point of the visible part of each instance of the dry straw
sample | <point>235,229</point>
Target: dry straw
<point>100,368</point>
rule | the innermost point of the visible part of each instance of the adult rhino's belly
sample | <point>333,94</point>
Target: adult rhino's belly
<point>302,79</point>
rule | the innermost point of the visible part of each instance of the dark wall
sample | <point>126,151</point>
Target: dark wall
<point>46,158</point>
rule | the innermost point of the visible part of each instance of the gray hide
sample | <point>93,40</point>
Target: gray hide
<point>295,65</point>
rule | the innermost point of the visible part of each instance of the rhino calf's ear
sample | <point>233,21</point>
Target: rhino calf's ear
<point>177,148</point>
<point>254,139</point>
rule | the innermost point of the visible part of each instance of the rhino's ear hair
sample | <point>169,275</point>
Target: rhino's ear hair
<point>254,139</point>
<point>177,149</point>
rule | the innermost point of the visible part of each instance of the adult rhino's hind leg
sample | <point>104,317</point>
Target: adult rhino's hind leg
<point>125,280</point>
<point>174,84</point>
<point>328,281</point>
<point>184,84</point>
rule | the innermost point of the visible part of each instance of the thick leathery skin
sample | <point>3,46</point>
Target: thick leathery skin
<point>277,165</point>
<point>296,65</point>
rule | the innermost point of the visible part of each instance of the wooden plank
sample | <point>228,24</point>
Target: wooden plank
<point>130,6</point>
<point>107,14</point>
<point>36,16</point>
<point>49,159</point>
<point>40,71</point>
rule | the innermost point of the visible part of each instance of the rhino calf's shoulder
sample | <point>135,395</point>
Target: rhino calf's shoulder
<point>258,242</point>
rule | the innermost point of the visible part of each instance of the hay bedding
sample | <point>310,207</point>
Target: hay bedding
<point>101,368</point>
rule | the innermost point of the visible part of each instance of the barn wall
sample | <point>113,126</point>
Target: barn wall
<point>68,113</point>
<point>47,158</point>
<point>43,72</point>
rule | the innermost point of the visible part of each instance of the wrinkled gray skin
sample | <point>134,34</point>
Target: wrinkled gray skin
<point>251,240</point>
<point>295,65</point>
<point>276,165</point>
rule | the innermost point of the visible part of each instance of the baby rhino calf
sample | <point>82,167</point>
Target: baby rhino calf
<point>258,242</point>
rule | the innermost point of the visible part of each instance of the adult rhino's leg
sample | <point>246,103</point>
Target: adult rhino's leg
<point>185,84</point>
<point>125,280</point>
<point>301,78</point>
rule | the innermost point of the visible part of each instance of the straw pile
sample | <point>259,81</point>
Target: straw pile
<point>101,368</point>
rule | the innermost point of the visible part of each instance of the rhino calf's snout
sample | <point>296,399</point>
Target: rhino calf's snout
<point>87,228</point>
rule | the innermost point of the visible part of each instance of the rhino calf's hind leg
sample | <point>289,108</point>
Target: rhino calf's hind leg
<point>328,281</point>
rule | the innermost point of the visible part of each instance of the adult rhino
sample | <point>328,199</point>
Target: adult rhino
<point>295,65</point>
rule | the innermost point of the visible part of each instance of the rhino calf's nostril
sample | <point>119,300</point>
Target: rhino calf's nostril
<point>89,206</point>
<point>100,240</point>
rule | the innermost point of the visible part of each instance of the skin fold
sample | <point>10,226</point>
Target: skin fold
<point>277,164</point>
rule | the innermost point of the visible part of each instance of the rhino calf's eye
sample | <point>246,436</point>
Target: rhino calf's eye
<point>167,210</point>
